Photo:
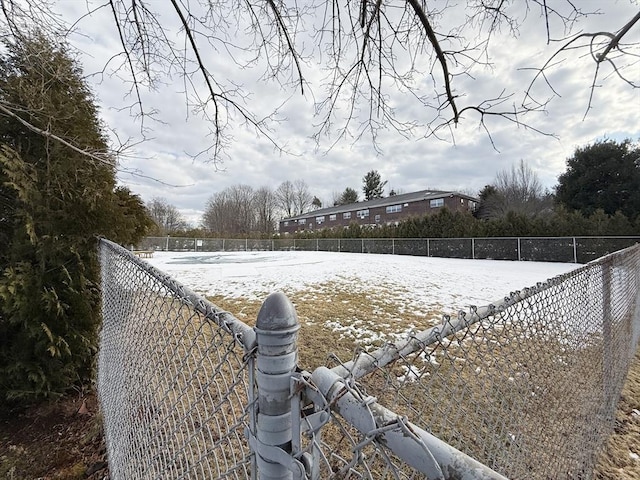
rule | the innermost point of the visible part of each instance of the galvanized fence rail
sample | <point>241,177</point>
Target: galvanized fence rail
<point>526,387</point>
<point>539,249</point>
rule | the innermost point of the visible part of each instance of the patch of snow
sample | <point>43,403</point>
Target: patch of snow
<point>411,374</point>
<point>423,284</point>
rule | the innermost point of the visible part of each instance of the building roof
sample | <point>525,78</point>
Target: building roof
<point>382,202</point>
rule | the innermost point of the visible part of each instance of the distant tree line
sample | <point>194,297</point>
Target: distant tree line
<point>241,210</point>
<point>598,194</point>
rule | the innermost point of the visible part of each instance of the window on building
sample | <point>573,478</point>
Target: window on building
<point>377,218</point>
<point>362,213</point>
<point>436,202</point>
<point>332,217</point>
<point>302,221</point>
<point>320,219</point>
<point>286,224</point>
<point>394,209</point>
<point>346,215</point>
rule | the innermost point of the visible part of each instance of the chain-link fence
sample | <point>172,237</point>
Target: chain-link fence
<point>174,379</point>
<point>538,249</point>
<point>526,387</point>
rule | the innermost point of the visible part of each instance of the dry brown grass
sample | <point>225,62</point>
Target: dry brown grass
<point>620,458</point>
<point>334,316</point>
<point>336,319</point>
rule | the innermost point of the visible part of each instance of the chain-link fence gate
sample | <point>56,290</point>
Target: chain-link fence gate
<point>526,387</point>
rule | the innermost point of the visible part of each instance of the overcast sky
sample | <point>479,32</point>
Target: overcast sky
<point>408,164</point>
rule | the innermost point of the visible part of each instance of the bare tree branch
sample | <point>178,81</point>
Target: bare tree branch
<point>371,53</point>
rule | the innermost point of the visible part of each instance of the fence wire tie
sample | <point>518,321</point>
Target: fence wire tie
<point>351,387</point>
<point>437,334</point>
<point>249,354</point>
<point>398,424</point>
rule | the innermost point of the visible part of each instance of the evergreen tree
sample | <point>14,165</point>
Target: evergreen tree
<point>603,175</point>
<point>490,200</point>
<point>55,202</point>
<point>373,186</point>
<point>348,196</point>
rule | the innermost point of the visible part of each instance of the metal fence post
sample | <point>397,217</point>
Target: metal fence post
<point>607,314</point>
<point>276,333</point>
<point>575,251</point>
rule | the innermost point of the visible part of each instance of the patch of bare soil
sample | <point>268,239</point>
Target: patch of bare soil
<point>61,440</point>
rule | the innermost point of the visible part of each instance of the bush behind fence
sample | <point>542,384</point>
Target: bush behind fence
<point>539,249</point>
<point>526,386</point>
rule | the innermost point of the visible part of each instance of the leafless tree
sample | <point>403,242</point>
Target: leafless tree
<point>217,213</point>
<point>166,217</point>
<point>285,198</point>
<point>368,49</point>
<point>517,189</point>
<point>231,211</point>
<point>264,201</point>
<point>302,198</point>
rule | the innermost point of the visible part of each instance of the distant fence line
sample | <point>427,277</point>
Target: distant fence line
<point>540,249</point>
<point>524,388</point>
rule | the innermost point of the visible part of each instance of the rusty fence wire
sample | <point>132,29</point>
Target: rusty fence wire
<point>524,388</point>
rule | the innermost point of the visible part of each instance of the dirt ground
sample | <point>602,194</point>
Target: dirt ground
<point>64,441</point>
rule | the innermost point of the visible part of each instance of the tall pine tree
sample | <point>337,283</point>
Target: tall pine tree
<point>372,185</point>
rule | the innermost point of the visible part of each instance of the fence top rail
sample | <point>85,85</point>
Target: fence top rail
<point>608,237</point>
<point>365,362</point>
<point>243,334</point>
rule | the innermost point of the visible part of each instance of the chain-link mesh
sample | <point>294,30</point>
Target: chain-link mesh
<point>173,380</point>
<point>537,249</point>
<point>527,386</point>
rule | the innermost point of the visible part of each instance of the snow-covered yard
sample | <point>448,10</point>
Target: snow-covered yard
<point>422,283</point>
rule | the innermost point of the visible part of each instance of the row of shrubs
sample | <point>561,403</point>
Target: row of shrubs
<point>448,224</point>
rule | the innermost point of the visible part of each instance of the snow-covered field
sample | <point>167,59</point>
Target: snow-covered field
<point>424,283</point>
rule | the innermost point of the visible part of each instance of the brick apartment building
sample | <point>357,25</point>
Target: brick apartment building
<point>380,211</point>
